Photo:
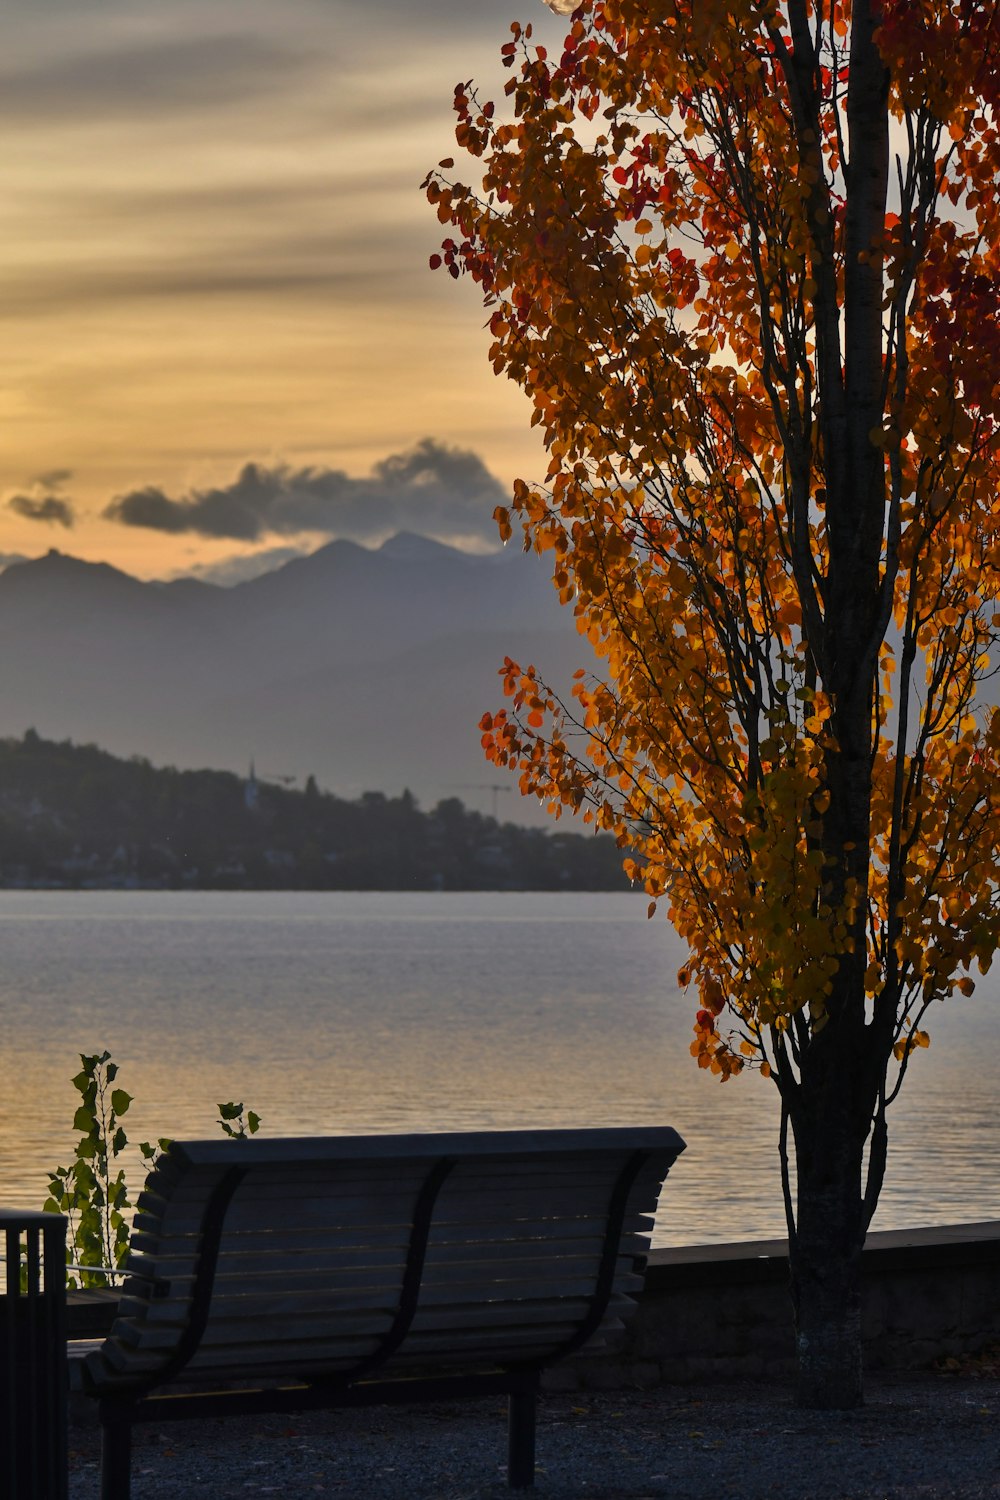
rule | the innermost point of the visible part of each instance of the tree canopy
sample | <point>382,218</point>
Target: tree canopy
<point>742,256</point>
<point>74,815</point>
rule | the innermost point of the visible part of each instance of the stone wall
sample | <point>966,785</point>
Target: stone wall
<point>723,1311</point>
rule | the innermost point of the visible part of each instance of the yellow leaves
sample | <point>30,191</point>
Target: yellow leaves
<point>908,949</point>
<point>910,1043</point>
<point>681,403</point>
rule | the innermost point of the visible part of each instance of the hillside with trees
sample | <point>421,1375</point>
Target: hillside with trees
<point>74,815</point>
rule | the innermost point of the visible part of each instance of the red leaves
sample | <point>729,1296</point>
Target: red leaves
<point>944,54</point>
<point>961,319</point>
<point>667,508</point>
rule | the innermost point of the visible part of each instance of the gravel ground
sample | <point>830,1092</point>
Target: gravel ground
<point>933,1437</point>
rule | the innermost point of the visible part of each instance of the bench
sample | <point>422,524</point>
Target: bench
<point>346,1271</point>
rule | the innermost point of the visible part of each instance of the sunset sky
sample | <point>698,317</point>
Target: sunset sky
<point>221,336</point>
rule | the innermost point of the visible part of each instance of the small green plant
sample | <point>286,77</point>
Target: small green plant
<point>232,1121</point>
<point>92,1191</point>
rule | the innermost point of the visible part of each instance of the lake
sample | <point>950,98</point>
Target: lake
<point>354,1012</point>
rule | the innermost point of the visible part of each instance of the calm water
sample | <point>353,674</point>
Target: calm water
<point>382,1012</point>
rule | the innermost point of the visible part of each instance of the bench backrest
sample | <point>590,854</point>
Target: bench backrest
<point>336,1256</point>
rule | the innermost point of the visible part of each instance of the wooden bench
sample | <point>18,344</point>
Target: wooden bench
<point>352,1270</point>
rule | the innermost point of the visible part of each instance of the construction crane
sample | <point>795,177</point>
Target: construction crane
<point>486,786</point>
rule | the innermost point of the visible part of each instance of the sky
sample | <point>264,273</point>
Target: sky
<point>222,341</point>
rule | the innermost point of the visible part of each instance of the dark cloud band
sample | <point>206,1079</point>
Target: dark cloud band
<point>51,509</point>
<point>441,492</point>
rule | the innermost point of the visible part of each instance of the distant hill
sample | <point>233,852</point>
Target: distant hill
<point>73,815</point>
<point>368,669</point>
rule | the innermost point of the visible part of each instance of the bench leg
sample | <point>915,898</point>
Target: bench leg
<point>521,1439</point>
<point>116,1457</point>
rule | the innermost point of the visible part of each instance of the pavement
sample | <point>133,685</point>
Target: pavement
<point>932,1435</point>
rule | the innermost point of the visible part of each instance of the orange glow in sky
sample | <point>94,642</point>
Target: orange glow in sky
<point>215,251</point>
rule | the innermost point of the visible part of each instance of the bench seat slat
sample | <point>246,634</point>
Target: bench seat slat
<point>251,1311</point>
<point>283,1239</point>
<point>324,1258</point>
<point>470,1206</point>
<point>285,1274</point>
<point>326,1300</point>
<point>479,1145</point>
<point>353,1181</point>
<point>120,1367</point>
<point>384,1177</point>
<point>171,1167</point>
<point>229,1340</point>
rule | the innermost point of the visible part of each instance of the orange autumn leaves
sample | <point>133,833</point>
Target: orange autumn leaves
<point>664,235</point>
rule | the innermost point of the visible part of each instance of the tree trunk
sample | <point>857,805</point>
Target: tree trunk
<point>825,1255</point>
<point>826,1293</point>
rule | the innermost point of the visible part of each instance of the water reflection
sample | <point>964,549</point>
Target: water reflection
<point>383,1012</point>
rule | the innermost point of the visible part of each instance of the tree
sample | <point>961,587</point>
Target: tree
<point>743,259</point>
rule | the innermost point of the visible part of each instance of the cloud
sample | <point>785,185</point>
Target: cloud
<point>53,479</point>
<point>167,74</point>
<point>43,502</point>
<point>437,491</point>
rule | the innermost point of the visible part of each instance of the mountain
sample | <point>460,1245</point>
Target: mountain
<point>368,669</point>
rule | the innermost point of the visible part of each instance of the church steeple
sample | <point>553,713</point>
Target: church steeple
<point>251,789</point>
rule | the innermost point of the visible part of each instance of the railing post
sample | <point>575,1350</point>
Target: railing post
<point>33,1367</point>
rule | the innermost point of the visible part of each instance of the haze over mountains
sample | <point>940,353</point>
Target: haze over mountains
<point>368,669</point>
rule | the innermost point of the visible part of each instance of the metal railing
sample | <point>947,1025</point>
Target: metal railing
<point>33,1370</point>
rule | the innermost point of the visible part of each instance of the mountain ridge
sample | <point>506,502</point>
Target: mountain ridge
<point>368,668</point>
